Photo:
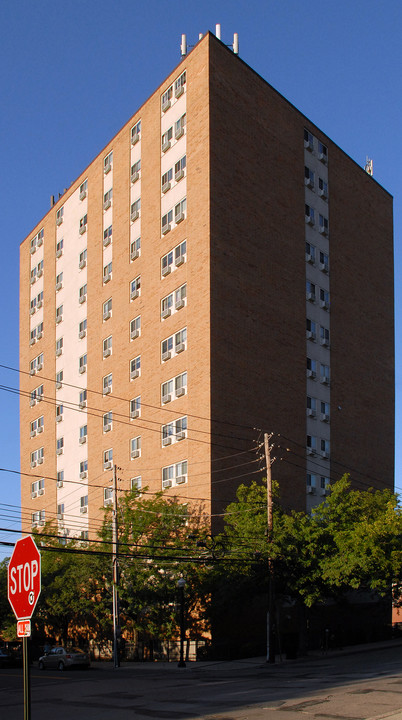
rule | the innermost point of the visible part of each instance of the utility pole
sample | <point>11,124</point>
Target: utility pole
<point>115,561</point>
<point>271,609</point>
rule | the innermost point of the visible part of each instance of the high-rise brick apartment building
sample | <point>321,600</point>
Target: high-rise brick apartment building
<point>220,266</point>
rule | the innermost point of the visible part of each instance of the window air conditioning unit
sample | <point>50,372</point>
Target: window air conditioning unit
<point>82,299</point>
<point>41,491</point>
<point>322,157</point>
<point>135,138</point>
<point>107,240</point>
<point>323,491</point>
<point>311,412</point>
<point>59,221</point>
<point>179,90</point>
<point>323,194</point>
<point>82,440</point>
<point>39,366</point>
<point>84,509</point>
<point>60,516</point>
<point>106,315</point>
<point>310,297</point>
<point>166,105</point>
<point>180,347</point>
<point>59,318</point>
<point>32,341</point>
<point>106,278</point>
<point>166,270</point>
<point>134,254</point>
<point>59,451</point>
<point>166,355</point>
<point>82,369</point>
<point>166,398</point>
<point>134,374</point>
<point>33,249</point>
<point>107,390</point>
<point>179,217</point>
<point>107,465</point>
<point>83,475</point>
<point>180,391</point>
<point>82,334</point>
<point>134,215</point>
<point>58,352</point>
<point>325,455</point>
<point>134,334</point>
<point>34,495</point>
<point>166,145</point>
<point>59,254</point>
<point>32,402</point>
<point>135,454</point>
<point>166,441</point>
<point>308,182</point>
<point>39,304</point>
<point>106,353</point>
<point>33,433</point>
<point>310,451</point>
<point>309,220</point>
<point>324,304</point>
<point>308,145</point>
<point>323,230</point>
<point>166,484</point>
<point>107,427</point>
<point>325,380</point>
<point>180,479</point>
<point>107,167</point>
<point>165,187</point>
<point>135,176</point>
<point>60,483</point>
<point>59,285</point>
<point>40,334</point>
<point>83,194</point>
<point>180,304</point>
<point>32,371</point>
<point>165,313</point>
<point>82,264</point>
<point>58,385</point>
<point>324,342</point>
<point>179,132</point>
<point>40,429</point>
<point>40,460</point>
<point>166,228</point>
<point>179,175</point>
<point>40,273</point>
<point>33,280</point>
<point>134,414</point>
<point>82,405</point>
<point>108,501</point>
<point>82,229</point>
<point>180,435</point>
<point>310,489</point>
<point>32,311</point>
<point>59,418</point>
<point>310,335</point>
<point>325,417</point>
<point>134,294</point>
<point>107,204</point>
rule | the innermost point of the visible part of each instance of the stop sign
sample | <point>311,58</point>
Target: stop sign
<point>24,578</point>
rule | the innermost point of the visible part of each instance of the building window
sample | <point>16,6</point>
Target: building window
<point>180,168</point>
<point>84,535</point>
<point>37,488</point>
<point>324,336</point>
<point>309,214</point>
<point>108,163</point>
<point>324,448</point>
<point>107,384</point>
<point>83,224</point>
<point>135,171</point>
<point>308,140</point>
<point>311,330</point>
<point>310,253</point>
<point>324,374</point>
<point>60,478</point>
<point>166,306</point>
<point>107,236</point>
<point>174,431</point>
<point>84,503</point>
<point>135,367</point>
<point>36,364</point>
<point>323,224</point>
<point>310,291</point>
<point>37,426</point>
<point>59,347</point>
<point>324,299</point>
<point>135,407</point>
<point>108,421</point>
<point>107,496</point>
<point>167,99</point>
<point>135,249</point>
<point>59,413</point>
<point>60,511</point>
<point>59,281</point>
<point>83,434</point>
<point>82,294</point>
<point>59,248</point>
<point>179,127</point>
<point>107,459</point>
<point>311,407</point>
<point>82,328</point>
<point>311,368</point>
<point>167,180</point>
<point>107,273</point>
<point>311,443</point>
<point>136,133</point>
<point>83,190</point>
<point>180,211</point>
<point>135,328</point>
<point>324,485</point>
<point>59,379</point>
<point>82,399</point>
<point>174,388</point>
<point>136,483</point>
<point>308,177</point>
<point>179,85</point>
<point>107,309</point>
<point>324,262</point>
<point>82,364</point>
<point>322,152</point>
<point>311,482</point>
<point>59,313</point>
<point>135,288</point>
<point>107,199</point>
<point>39,269</point>
<point>107,346</point>
<point>167,139</point>
<point>167,220</point>
<point>324,408</point>
<point>135,447</point>
<point>174,344</point>
<point>82,259</point>
<point>174,258</point>
<point>60,216</point>
<point>174,474</point>
<point>33,276</point>
<point>135,210</point>
<point>174,302</point>
<point>322,188</point>
<point>59,445</point>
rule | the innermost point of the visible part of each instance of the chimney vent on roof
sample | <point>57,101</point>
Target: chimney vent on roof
<point>183,46</point>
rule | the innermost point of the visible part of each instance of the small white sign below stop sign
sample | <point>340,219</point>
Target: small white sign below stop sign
<point>24,578</point>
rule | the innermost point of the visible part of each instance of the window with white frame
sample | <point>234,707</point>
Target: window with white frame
<point>135,288</point>
<point>39,269</point>
<point>108,163</point>
<point>108,421</point>
<point>135,171</point>
<point>38,488</point>
<point>179,85</point>
<point>107,496</point>
<point>107,384</point>
<point>59,413</point>
<point>60,216</point>
<point>180,211</point>
<point>37,426</point>
<point>324,373</point>
<point>174,344</point>
<point>107,272</point>
<point>324,484</point>
<point>308,140</point>
<point>167,178</point>
<point>107,309</point>
<point>322,152</point>
<point>82,328</point>
<point>82,261</point>
<point>107,346</point>
<point>135,210</point>
<point>136,483</point>
<point>59,445</point>
<point>136,133</point>
<point>167,220</point>
<point>309,177</point>
<point>311,482</point>
<point>39,299</point>
<point>83,224</point>
<point>60,478</point>
<point>179,127</point>
<point>174,301</point>
<point>60,511</point>
<point>311,329</point>
<point>167,99</point>
<point>174,431</point>
<point>323,224</point>
<point>82,363</point>
<point>83,432</point>
<point>107,199</point>
<point>83,469</point>
<point>82,399</point>
<point>135,407</point>
<point>324,448</point>
<point>107,459</point>
<point>59,313</point>
<point>36,395</point>
<point>324,410</point>
<point>107,236</point>
<point>167,139</point>
<point>135,447</point>
<point>174,258</point>
<point>82,294</point>
<point>59,248</point>
<point>311,443</point>
<point>310,291</point>
<point>311,368</point>
<point>59,346</point>
<point>135,367</point>
<point>83,190</point>
<point>311,406</point>
<point>36,364</point>
<point>324,262</point>
<point>175,474</point>
<point>84,503</point>
<point>59,282</point>
<point>135,328</point>
<point>59,379</point>
<point>322,188</point>
<point>33,275</point>
<point>309,214</point>
<point>324,336</point>
<point>135,249</point>
<point>180,168</point>
<point>324,299</point>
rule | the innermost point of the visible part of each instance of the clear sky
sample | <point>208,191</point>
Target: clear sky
<point>72,73</point>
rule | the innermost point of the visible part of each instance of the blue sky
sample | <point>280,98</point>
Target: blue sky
<point>72,73</point>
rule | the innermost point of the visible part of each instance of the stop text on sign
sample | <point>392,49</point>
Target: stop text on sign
<point>22,577</point>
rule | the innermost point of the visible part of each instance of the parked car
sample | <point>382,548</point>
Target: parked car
<point>8,658</point>
<point>60,659</point>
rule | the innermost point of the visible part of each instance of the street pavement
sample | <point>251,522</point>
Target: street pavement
<point>360,683</point>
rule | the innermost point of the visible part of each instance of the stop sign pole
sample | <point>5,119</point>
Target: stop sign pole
<point>23,590</point>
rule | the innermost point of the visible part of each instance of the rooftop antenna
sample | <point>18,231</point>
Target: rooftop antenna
<point>184,47</point>
<point>369,166</point>
<point>218,31</point>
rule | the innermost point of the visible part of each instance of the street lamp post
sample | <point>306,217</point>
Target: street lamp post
<point>181,585</point>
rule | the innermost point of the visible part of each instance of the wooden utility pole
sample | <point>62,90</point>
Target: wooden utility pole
<point>115,561</point>
<point>271,604</point>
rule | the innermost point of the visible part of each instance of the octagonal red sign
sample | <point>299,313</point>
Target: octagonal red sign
<point>24,579</point>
